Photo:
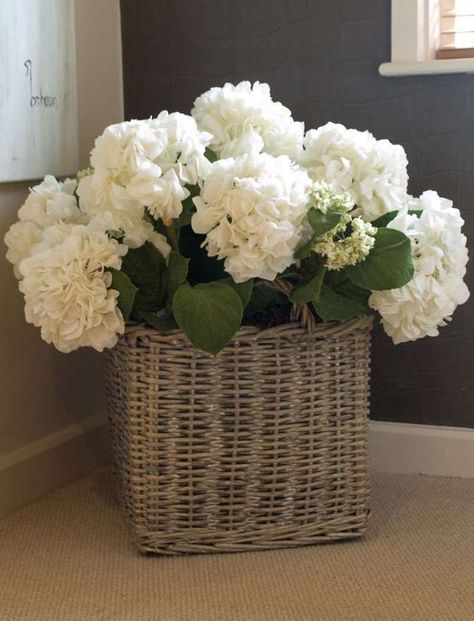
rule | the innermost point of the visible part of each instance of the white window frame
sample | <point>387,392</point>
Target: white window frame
<point>415,35</point>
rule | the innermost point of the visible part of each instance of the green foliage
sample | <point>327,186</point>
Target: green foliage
<point>202,268</point>
<point>305,250</point>
<point>193,292</point>
<point>209,314</point>
<point>262,299</point>
<point>146,267</point>
<point>243,289</point>
<point>389,264</point>
<point>340,299</point>
<point>309,287</point>
<point>176,273</point>
<point>160,321</point>
<point>209,153</point>
<point>322,223</point>
<point>126,289</point>
<point>390,215</point>
<point>290,271</point>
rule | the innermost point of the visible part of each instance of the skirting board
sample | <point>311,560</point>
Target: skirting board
<point>52,462</point>
<point>425,449</point>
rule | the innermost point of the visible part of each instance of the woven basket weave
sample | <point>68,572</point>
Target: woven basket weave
<point>262,447</point>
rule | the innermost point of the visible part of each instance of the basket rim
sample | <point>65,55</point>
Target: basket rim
<point>292,330</point>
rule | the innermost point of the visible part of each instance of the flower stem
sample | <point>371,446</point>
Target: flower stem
<point>172,235</point>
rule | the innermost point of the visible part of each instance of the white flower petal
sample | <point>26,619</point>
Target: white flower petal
<point>66,288</point>
<point>252,210</point>
<point>439,256</point>
<point>373,171</point>
<point>244,119</point>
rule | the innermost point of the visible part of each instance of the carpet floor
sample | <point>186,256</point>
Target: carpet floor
<point>68,558</point>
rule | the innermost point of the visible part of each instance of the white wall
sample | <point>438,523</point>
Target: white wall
<point>44,392</point>
<point>99,69</point>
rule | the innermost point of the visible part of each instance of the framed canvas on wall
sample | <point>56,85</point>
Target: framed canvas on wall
<point>38,103</point>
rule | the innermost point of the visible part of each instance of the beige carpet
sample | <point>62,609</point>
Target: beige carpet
<point>68,558</point>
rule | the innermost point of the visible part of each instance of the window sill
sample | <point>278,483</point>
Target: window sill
<point>426,67</point>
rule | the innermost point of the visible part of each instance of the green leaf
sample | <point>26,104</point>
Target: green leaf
<point>145,266</point>
<point>389,264</point>
<point>126,289</point>
<point>340,299</point>
<point>262,298</point>
<point>209,314</point>
<point>202,268</point>
<point>321,222</point>
<point>304,251</point>
<point>289,272</point>
<point>333,306</point>
<point>309,288</point>
<point>160,321</point>
<point>243,289</point>
<point>386,218</point>
<point>176,273</point>
<point>209,153</point>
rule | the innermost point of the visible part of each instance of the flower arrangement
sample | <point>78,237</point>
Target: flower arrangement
<point>234,215</point>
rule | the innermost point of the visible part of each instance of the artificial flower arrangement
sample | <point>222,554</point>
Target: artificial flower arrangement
<point>232,216</point>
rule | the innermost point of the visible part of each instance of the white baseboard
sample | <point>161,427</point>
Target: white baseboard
<point>425,449</point>
<point>62,457</point>
<point>32,471</point>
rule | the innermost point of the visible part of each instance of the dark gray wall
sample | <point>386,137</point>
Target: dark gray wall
<point>321,58</point>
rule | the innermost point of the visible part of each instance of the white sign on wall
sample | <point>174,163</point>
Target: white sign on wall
<point>38,105</point>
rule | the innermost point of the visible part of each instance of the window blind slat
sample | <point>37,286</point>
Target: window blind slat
<point>456,31</point>
<point>457,24</point>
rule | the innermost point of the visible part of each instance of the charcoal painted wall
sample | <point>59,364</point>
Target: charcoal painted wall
<point>321,58</point>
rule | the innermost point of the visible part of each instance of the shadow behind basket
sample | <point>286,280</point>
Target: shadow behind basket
<point>262,447</point>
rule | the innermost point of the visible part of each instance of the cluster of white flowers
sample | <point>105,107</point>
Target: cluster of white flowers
<point>61,260</point>
<point>254,206</point>
<point>340,251</point>
<point>325,197</point>
<point>373,171</point>
<point>139,166</point>
<point>439,255</point>
<point>48,203</point>
<point>252,209</point>
<point>67,288</point>
<point>244,119</point>
<point>351,239</point>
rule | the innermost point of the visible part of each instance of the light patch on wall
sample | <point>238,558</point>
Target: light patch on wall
<point>38,104</point>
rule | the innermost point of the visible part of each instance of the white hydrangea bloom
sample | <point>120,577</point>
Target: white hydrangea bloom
<point>140,164</point>
<point>440,256</point>
<point>49,202</point>
<point>20,240</point>
<point>253,210</point>
<point>161,193</point>
<point>373,171</point>
<point>244,119</point>
<point>115,213</point>
<point>132,223</point>
<point>67,290</point>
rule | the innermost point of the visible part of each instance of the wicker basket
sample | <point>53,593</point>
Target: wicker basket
<point>262,447</point>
